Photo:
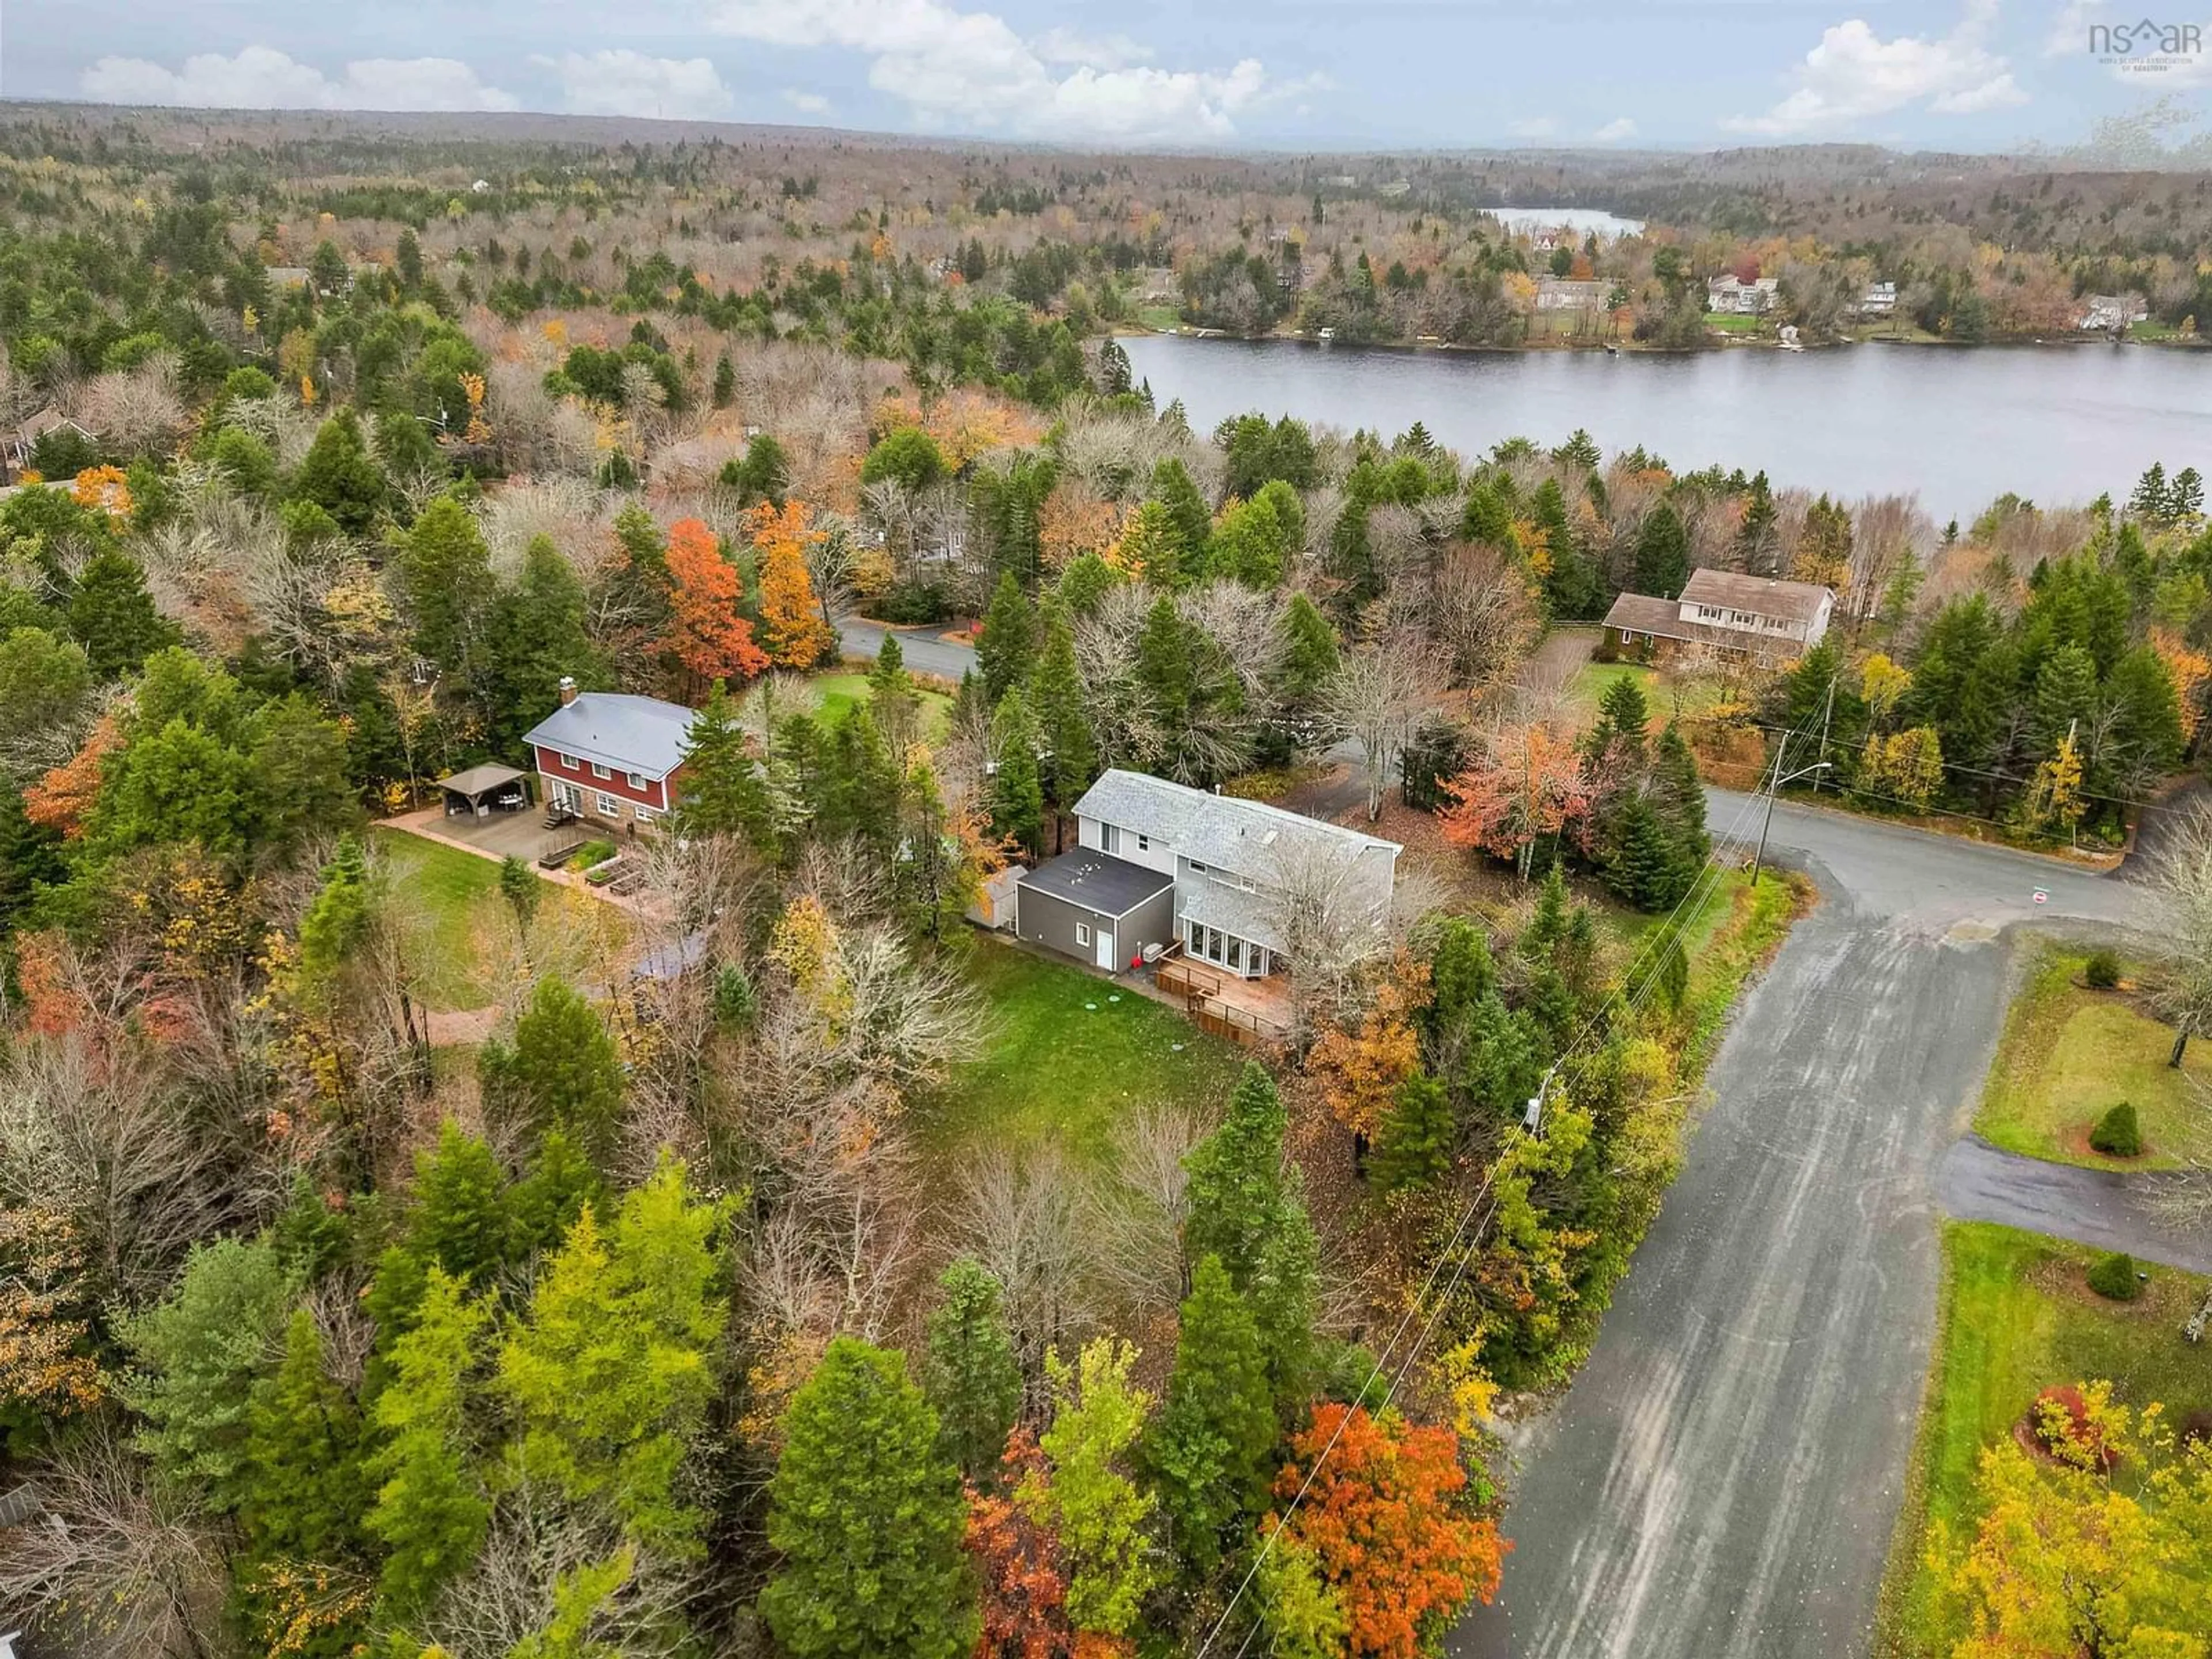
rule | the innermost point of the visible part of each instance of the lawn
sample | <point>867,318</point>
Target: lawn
<point>838,695</point>
<point>2014,1319</point>
<point>1162,319</point>
<point>1593,679</point>
<point>443,883</point>
<point>1067,1061</point>
<point>2069,1053</point>
<point>1730,322</point>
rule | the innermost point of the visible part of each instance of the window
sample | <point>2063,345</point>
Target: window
<point>636,780</point>
<point>1083,932</point>
<point>608,806</point>
<point>1237,954</point>
<point>646,815</point>
<point>599,771</point>
<point>1109,837</point>
<point>1143,843</point>
<point>570,762</point>
<point>1216,941</point>
<point>1197,868</point>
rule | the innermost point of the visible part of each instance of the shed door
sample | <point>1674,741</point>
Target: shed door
<point>1105,937</point>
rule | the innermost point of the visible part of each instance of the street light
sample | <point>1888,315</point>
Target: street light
<point>1773,789</point>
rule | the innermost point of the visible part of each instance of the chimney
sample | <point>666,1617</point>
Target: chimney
<point>567,689</point>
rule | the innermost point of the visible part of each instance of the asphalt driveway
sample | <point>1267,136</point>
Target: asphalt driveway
<point>1722,1479</point>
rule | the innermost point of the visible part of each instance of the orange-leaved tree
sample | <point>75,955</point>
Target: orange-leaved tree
<point>60,800</point>
<point>1388,1527</point>
<point>799,634</point>
<point>706,635</point>
<point>1361,1071</point>
<point>1529,786</point>
<point>1020,1569</point>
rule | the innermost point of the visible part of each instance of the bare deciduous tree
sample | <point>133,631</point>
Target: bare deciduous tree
<point>1379,690</point>
<point>1022,1215</point>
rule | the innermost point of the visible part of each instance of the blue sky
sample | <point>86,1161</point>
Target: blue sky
<point>1937,74</point>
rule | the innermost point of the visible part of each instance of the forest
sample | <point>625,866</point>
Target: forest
<point>405,1254</point>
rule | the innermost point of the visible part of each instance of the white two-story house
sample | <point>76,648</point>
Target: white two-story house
<point>1762,617</point>
<point>1162,865</point>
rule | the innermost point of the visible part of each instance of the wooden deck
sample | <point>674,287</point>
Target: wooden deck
<point>1247,1011</point>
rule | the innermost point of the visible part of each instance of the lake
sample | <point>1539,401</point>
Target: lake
<point>1584,221</point>
<point>1958,426</point>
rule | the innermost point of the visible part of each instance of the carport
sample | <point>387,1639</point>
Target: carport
<point>475,792</point>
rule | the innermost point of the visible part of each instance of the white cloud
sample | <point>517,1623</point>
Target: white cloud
<point>1540,126</point>
<point>1854,73</point>
<point>971,69</point>
<point>261,78</point>
<point>1615,131</point>
<point>628,83</point>
<point>807,103</point>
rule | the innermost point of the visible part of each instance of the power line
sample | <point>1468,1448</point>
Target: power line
<point>1633,1006</point>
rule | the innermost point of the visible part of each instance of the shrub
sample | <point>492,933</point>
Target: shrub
<point>2118,1134</point>
<point>2102,970</point>
<point>2114,1279</point>
<point>592,853</point>
<point>914,602</point>
<point>2061,1418</point>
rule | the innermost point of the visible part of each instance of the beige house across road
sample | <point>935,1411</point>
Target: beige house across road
<point>1763,617</point>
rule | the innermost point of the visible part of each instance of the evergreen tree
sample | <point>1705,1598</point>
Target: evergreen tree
<point>1247,1208</point>
<point>1057,700</point>
<point>1679,795</point>
<point>610,1376</point>
<point>1007,644</point>
<point>1084,581</point>
<point>1188,516</point>
<point>1311,656</point>
<point>457,1223</point>
<point>195,1358</point>
<point>430,1510</point>
<point>892,700</point>
<point>444,572</point>
<point>2065,691</point>
<point>1165,667</point>
<point>1414,1147</point>
<point>1091,1501</point>
<point>724,790</point>
<point>725,381</point>
<point>301,1487</point>
<point>1755,537</point>
<point>1016,791</point>
<point>563,1071</point>
<point>538,638</point>
<point>972,1378</point>
<point>1351,557</point>
<point>867,1517</point>
<point>545,1203</point>
<point>1208,1451</point>
<point>1646,868</point>
<point>338,476</point>
<point>1663,553</point>
<point>112,615</point>
<point>1614,746</point>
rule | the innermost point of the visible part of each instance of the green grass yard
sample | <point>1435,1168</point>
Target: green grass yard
<point>838,695</point>
<point>1593,679</point>
<point>2015,1318</point>
<point>1065,1062</point>
<point>443,884</point>
<point>2069,1053</point>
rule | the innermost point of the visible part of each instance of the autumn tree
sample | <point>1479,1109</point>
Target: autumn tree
<point>706,636</point>
<point>867,1516</point>
<point>610,1377</point>
<point>796,634</point>
<point>1020,1569</point>
<point>1528,787</point>
<point>1387,1524</point>
<point>430,1509</point>
<point>1092,1500</point>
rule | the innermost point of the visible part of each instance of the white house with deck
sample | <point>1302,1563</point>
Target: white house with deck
<point>1163,868</point>
<point>1762,616</point>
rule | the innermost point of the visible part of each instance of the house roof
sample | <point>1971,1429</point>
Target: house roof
<point>48,419</point>
<point>1242,836</point>
<point>619,730</point>
<point>480,780</point>
<point>1761,596</point>
<point>1099,882</point>
<point>1248,915</point>
<point>1640,613</point>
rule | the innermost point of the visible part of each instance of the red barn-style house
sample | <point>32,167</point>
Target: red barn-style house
<point>611,758</point>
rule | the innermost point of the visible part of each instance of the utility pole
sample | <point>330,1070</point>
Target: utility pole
<point>1773,789</point>
<point>1827,714</point>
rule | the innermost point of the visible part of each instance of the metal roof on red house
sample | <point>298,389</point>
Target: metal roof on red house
<point>619,730</point>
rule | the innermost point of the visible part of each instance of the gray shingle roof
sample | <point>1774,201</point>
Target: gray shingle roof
<point>1101,883</point>
<point>1758,596</point>
<point>1243,836</point>
<point>615,729</point>
<point>1248,915</point>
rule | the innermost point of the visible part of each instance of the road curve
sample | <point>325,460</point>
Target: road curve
<point>926,648</point>
<point>1722,1479</point>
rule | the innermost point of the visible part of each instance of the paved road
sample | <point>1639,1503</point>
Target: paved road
<point>1976,1181</point>
<point>925,651</point>
<point>1722,1479</point>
